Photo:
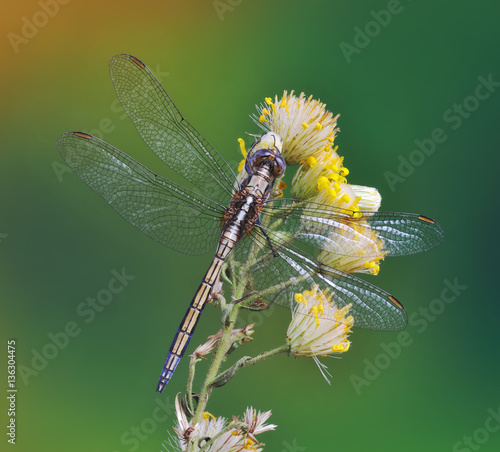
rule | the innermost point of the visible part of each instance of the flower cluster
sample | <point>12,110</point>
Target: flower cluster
<point>235,436</point>
<point>308,131</point>
<point>302,123</point>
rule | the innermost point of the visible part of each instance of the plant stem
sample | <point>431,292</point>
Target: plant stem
<point>223,347</point>
<point>247,361</point>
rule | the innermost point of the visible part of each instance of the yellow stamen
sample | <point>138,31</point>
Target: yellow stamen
<point>318,126</point>
<point>249,444</point>
<point>262,119</point>
<point>269,100</point>
<point>315,310</point>
<point>242,147</point>
<point>299,298</point>
<point>375,270</point>
<point>344,171</point>
<point>332,193</point>
<point>341,348</point>
<point>311,161</point>
<point>265,111</point>
<point>345,198</point>
<point>305,125</point>
<point>323,183</point>
<point>241,165</point>
<point>207,415</point>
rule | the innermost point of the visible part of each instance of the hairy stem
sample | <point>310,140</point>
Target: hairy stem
<point>248,361</point>
<point>223,347</point>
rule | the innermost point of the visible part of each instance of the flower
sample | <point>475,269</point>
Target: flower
<point>302,123</point>
<point>318,326</point>
<point>350,246</point>
<point>255,423</point>
<point>242,335</point>
<point>184,429</point>
<point>317,170</point>
<point>204,349</point>
<point>236,436</point>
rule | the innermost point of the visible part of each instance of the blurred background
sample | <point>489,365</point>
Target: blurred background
<point>416,84</point>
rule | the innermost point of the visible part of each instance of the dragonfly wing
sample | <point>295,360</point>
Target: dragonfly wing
<point>344,231</point>
<point>278,273</point>
<point>166,131</point>
<point>166,212</point>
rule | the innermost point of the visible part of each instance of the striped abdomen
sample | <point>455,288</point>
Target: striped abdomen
<point>190,320</point>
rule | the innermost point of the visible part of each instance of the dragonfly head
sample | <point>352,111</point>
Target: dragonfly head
<point>266,149</point>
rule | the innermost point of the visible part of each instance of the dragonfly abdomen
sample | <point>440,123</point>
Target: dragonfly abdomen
<point>192,316</point>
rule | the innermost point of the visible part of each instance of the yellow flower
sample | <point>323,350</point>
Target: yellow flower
<point>349,244</point>
<point>318,326</point>
<point>302,123</point>
<point>307,132</point>
<point>315,171</point>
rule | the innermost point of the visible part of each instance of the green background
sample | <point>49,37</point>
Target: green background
<point>60,241</point>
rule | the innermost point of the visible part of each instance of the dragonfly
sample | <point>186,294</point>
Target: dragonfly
<point>274,240</point>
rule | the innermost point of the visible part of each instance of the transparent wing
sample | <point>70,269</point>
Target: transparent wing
<point>165,130</point>
<point>345,232</point>
<point>279,273</point>
<point>166,212</point>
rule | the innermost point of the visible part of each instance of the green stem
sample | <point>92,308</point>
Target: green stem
<point>247,361</point>
<point>276,288</point>
<point>192,367</point>
<point>223,347</point>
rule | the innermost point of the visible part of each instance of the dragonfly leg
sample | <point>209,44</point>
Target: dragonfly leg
<point>267,238</point>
